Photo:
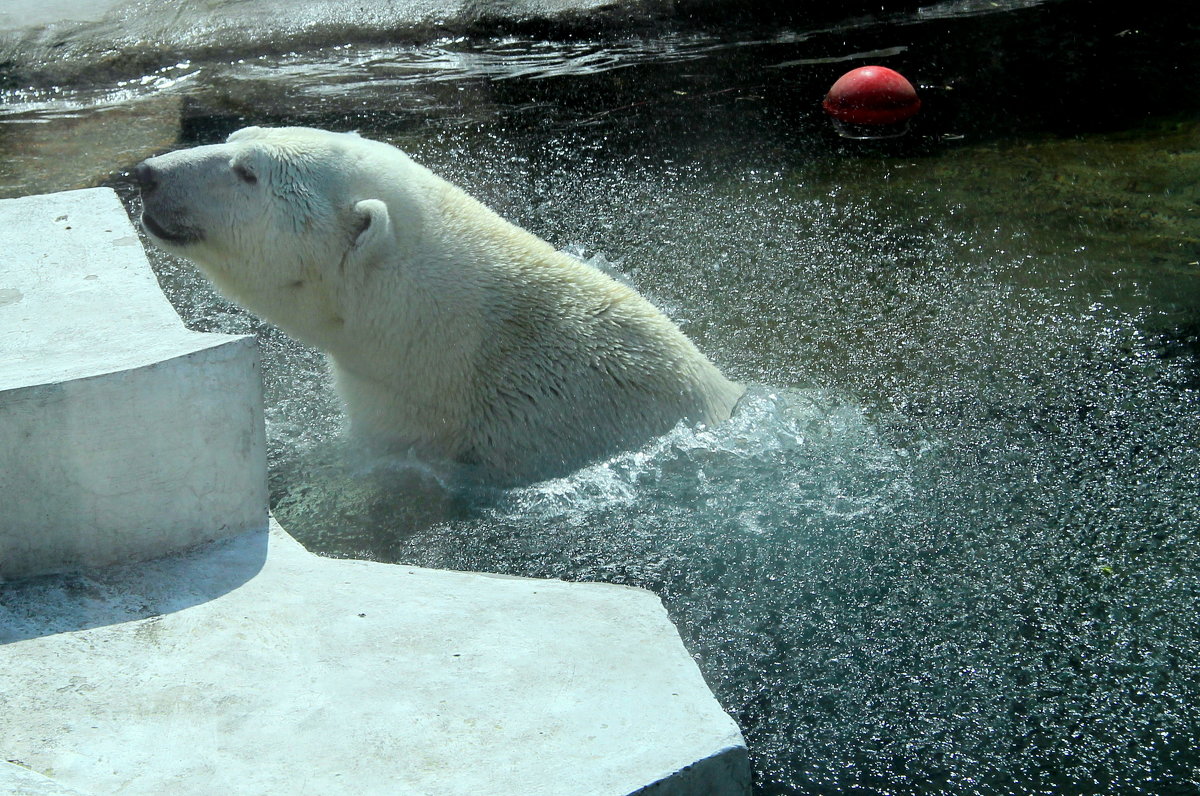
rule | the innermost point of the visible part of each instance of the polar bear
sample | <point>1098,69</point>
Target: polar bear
<point>451,332</point>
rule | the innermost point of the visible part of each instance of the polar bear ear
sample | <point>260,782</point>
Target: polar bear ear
<point>372,227</point>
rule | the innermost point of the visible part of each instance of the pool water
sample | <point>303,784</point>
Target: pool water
<point>950,543</point>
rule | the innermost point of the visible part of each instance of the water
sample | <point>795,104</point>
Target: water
<point>949,543</point>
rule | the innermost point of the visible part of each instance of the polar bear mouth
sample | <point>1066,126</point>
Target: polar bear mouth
<point>155,228</point>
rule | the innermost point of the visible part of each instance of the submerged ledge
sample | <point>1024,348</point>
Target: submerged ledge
<point>229,659</point>
<point>57,43</point>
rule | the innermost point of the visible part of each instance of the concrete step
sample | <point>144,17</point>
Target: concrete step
<point>123,434</point>
<point>251,666</point>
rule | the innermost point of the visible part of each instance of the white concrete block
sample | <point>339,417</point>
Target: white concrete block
<point>252,668</point>
<point>123,435</point>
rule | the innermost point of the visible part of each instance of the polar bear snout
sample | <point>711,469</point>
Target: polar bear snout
<point>146,176</point>
<point>164,219</point>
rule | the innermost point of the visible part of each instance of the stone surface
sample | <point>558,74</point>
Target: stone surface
<point>64,42</point>
<point>123,435</point>
<point>250,666</point>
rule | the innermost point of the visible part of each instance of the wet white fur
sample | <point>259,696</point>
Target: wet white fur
<point>451,331</point>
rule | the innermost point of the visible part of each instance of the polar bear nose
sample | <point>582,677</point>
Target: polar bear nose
<point>147,176</point>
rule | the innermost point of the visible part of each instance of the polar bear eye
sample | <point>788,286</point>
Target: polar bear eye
<point>245,175</point>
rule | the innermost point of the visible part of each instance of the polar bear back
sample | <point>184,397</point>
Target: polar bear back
<point>573,361</point>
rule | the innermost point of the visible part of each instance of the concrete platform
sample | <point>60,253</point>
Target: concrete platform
<point>251,666</point>
<point>122,434</point>
<point>245,664</point>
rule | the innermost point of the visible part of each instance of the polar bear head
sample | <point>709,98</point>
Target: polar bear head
<point>281,219</point>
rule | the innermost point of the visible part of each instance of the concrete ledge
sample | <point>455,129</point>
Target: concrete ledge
<point>123,435</point>
<point>330,677</point>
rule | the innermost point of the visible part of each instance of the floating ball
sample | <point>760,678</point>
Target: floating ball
<point>872,97</point>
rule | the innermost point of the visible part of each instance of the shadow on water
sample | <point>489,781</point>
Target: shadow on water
<point>949,544</point>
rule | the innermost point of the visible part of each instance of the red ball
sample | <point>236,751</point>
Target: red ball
<point>872,95</point>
